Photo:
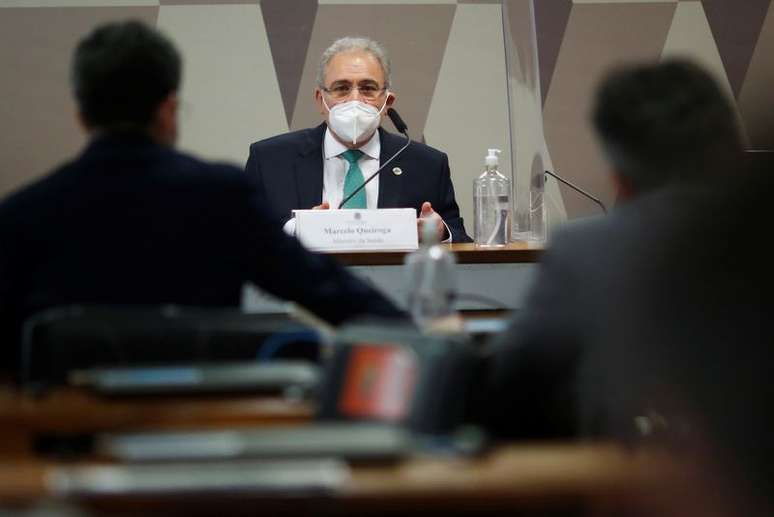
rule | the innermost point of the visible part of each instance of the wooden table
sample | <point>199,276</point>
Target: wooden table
<point>525,477</point>
<point>69,411</point>
<point>542,479</point>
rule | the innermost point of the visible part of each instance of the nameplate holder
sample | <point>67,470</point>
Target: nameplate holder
<point>385,229</point>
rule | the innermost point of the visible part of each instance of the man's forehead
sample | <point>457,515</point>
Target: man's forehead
<point>357,64</point>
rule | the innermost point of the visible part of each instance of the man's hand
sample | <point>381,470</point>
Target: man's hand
<point>428,216</point>
<point>324,206</point>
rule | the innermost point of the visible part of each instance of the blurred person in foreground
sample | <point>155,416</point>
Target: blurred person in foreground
<point>132,221</point>
<point>668,132</point>
<point>686,359</point>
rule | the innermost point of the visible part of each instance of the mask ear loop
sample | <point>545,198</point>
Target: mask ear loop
<point>322,96</point>
<point>385,102</point>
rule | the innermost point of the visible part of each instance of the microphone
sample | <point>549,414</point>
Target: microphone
<point>397,121</point>
<point>400,126</point>
<point>578,189</point>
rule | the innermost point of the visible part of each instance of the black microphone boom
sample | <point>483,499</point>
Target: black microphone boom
<point>397,121</point>
<point>579,190</point>
<point>400,126</point>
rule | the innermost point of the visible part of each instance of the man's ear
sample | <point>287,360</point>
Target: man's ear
<point>390,100</point>
<point>165,124</point>
<point>388,103</point>
<point>84,125</point>
<point>623,187</point>
<point>318,99</point>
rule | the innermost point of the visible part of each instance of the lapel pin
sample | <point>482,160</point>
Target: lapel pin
<point>397,171</point>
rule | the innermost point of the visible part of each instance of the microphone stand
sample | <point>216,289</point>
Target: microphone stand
<point>579,190</point>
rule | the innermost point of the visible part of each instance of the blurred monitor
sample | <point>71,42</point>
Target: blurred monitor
<point>296,379</point>
<point>386,392</point>
<point>398,375</point>
<point>60,340</point>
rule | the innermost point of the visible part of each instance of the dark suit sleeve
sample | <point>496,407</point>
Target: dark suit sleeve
<point>530,389</point>
<point>8,304</point>
<point>280,265</point>
<point>253,169</point>
<point>448,208</point>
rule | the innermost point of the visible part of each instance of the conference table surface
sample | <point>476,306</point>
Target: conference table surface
<point>506,478</point>
<point>525,477</point>
<point>71,411</point>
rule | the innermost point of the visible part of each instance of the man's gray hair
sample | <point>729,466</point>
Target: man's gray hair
<point>355,43</point>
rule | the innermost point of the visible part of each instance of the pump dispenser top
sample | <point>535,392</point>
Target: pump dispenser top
<point>491,160</point>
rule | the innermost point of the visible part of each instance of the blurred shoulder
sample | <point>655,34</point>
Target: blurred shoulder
<point>290,140</point>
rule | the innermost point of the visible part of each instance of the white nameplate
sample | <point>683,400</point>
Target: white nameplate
<point>386,229</point>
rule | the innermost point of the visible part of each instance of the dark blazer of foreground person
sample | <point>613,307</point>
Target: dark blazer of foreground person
<point>132,222</point>
<point>552,372</point>
<point>670,134</point>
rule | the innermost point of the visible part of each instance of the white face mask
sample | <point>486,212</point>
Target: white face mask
<point>353,120</point>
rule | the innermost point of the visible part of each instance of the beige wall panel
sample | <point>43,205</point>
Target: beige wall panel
<point>597,37</point>
<point>469,113</point>
<point>78,3</point>
<point>691,37</point>
<point>207,2</point>
<point>230,93</point>
<point>36,106</point>
<point>384,2</point>
<point>756,101</point>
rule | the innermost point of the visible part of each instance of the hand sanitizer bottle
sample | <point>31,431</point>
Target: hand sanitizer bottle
<point>492,206</point>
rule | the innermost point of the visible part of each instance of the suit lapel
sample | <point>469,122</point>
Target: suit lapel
<point>390,185</point>
<point>308,168</point>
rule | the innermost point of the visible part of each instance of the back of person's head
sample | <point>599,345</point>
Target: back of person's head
<point>121,73</point>
<point>664,123</point>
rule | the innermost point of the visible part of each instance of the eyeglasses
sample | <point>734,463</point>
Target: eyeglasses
<point>344,90</point>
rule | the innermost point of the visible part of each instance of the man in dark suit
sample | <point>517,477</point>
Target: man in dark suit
<point>667,130</point>
<point>695,348</point>
<point>319,167</point>
<point>132,221</point>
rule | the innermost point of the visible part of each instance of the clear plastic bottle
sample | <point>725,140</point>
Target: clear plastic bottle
<point>492,205</point>
<point>432,285</point>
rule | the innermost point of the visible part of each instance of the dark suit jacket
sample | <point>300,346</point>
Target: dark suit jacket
<point>659,314</point>
<point>558,370</point>
<point>289,169</point>
<point>131,222</point>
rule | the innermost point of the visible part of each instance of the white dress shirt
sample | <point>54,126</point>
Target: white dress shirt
<point>335,169</point>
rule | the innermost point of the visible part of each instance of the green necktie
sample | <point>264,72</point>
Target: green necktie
<point>353,180</point>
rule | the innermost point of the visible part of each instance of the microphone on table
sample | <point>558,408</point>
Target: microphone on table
<point>400,126</point>
<point>578,189</point>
